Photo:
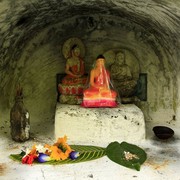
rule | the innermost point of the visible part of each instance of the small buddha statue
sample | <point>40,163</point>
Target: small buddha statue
<point>122,76</point>
<point>74,68</point>
<point>72,85</point>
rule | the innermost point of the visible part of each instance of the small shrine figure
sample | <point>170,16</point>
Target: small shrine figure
<point>100,92</point>
<point>122,77</point>
<point>72,85</point>
<point>19,119</point>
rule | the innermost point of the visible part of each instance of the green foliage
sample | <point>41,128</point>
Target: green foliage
<point>87,153</point>
<point>16,157</point>
<point>126,154</point>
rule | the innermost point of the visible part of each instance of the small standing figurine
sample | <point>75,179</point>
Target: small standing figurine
<point>100,92</point>
<point>19,119</point>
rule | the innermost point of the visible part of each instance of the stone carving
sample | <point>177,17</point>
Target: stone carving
<point>72,85</point>
<point>125,80</point>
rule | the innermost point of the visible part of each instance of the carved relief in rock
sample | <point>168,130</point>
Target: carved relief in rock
<point>124,68</point>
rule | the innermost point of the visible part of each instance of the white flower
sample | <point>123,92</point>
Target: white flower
<point>27,152</point>
<point>41,149</point>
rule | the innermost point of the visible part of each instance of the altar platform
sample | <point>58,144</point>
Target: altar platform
<point>163,160</point>
<point>99,126</point>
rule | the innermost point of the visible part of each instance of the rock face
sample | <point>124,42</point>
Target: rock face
<point>99,125</point>
<point>33,32</point>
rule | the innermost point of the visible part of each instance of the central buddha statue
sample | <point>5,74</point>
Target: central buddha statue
<point>72,85</point>
<point>100,92</point>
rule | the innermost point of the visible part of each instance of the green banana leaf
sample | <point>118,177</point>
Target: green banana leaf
<point>119,153</point>
<point>115,151</point>
<point>87,153</point>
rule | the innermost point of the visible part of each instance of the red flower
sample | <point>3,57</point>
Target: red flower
<point>73,91</point>
<point>28,159</point>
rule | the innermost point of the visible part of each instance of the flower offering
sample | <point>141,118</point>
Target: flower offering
<point>58,151</point>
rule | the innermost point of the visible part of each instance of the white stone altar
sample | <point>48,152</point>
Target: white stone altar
<point>99,126</point>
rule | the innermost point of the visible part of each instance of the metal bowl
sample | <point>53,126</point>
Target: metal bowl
<point>163,132</point>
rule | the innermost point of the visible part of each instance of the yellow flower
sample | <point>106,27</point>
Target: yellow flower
<point>60,150</point>
<point>55,153</point>
<point>62,144</point>
<point>33,150</point>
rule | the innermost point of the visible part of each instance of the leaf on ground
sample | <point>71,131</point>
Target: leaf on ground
<point>87,153</point>
<point>126,154</point>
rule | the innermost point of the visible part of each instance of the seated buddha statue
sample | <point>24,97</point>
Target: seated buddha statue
<point>72,85</point>
<point>122,76</point>
<point>74,68</point>
<point>99,93</point>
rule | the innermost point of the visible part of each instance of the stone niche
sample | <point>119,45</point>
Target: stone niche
<point>37,60</point>
<point>99,125</point>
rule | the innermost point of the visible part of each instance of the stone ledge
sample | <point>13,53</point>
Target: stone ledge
<point>99,126</point>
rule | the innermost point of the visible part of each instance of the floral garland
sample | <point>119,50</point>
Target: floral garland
<point>58,151</point>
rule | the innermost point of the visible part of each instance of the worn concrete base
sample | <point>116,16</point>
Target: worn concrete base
<point>99,125</point>
<point>163,160</point>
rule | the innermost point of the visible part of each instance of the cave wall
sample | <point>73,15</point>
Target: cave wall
<point>33,33</point>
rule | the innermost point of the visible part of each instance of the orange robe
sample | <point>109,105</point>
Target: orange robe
<point>102,89</point>
<point>77,69</point>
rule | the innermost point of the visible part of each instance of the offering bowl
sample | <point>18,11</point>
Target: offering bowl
<point>163,132</point>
